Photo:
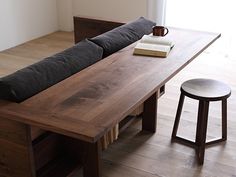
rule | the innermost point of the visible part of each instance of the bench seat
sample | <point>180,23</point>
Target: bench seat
<point>35,78</point>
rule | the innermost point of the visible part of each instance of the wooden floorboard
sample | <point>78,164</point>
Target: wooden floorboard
<point>137,154</point>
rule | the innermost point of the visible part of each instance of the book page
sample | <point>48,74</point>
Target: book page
<point>151,50</point>
<point>154,47</point>
<point>150,39</point>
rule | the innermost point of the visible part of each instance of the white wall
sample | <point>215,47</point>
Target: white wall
<point>65,15</point>
<point>156,11</point>
<point>23,20</point>
<point>117,10</point>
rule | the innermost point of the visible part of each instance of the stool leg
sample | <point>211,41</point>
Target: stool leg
<point>199,123</point>
<point>224,120</point>
<point>178,114</point>
<point>204,105</point>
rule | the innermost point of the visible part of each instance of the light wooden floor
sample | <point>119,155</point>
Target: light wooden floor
<point>137,154</point>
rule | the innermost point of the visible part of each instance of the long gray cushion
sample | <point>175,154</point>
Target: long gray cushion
<point>31,80</point>
<point>122,36</point>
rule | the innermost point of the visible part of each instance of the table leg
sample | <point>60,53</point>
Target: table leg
<point>150,113</point>
<point>92,165</point>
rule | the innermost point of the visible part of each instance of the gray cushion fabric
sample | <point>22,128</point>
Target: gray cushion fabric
<point>122,36</point>
<point>30,80</point>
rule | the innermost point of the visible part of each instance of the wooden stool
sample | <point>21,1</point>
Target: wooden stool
<point>204,90</point>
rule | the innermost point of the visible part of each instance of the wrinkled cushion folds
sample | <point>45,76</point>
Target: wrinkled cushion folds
<point>31,80</point>
<point>122,36</point>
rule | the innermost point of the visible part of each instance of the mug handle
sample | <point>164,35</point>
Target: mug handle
<point>167,31</point>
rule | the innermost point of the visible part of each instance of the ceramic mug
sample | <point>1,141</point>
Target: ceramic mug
<point>159,31</point>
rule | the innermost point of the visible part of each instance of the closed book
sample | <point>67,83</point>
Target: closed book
<point>153,46</point>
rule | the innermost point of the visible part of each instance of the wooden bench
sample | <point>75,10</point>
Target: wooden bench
<point>84,107</point>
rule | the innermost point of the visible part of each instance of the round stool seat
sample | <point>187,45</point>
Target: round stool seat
<point>206,89</point>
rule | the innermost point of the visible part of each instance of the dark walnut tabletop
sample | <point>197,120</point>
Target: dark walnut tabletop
<point>89,103</point>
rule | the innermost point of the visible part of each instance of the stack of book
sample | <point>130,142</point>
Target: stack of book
<point>153,46</point>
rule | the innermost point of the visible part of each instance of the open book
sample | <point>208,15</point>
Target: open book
<point>153,46</point>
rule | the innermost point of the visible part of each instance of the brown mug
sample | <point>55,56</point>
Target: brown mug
<point>159,31</point>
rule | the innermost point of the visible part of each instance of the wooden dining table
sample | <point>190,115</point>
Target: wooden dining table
<point>92,102</point>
